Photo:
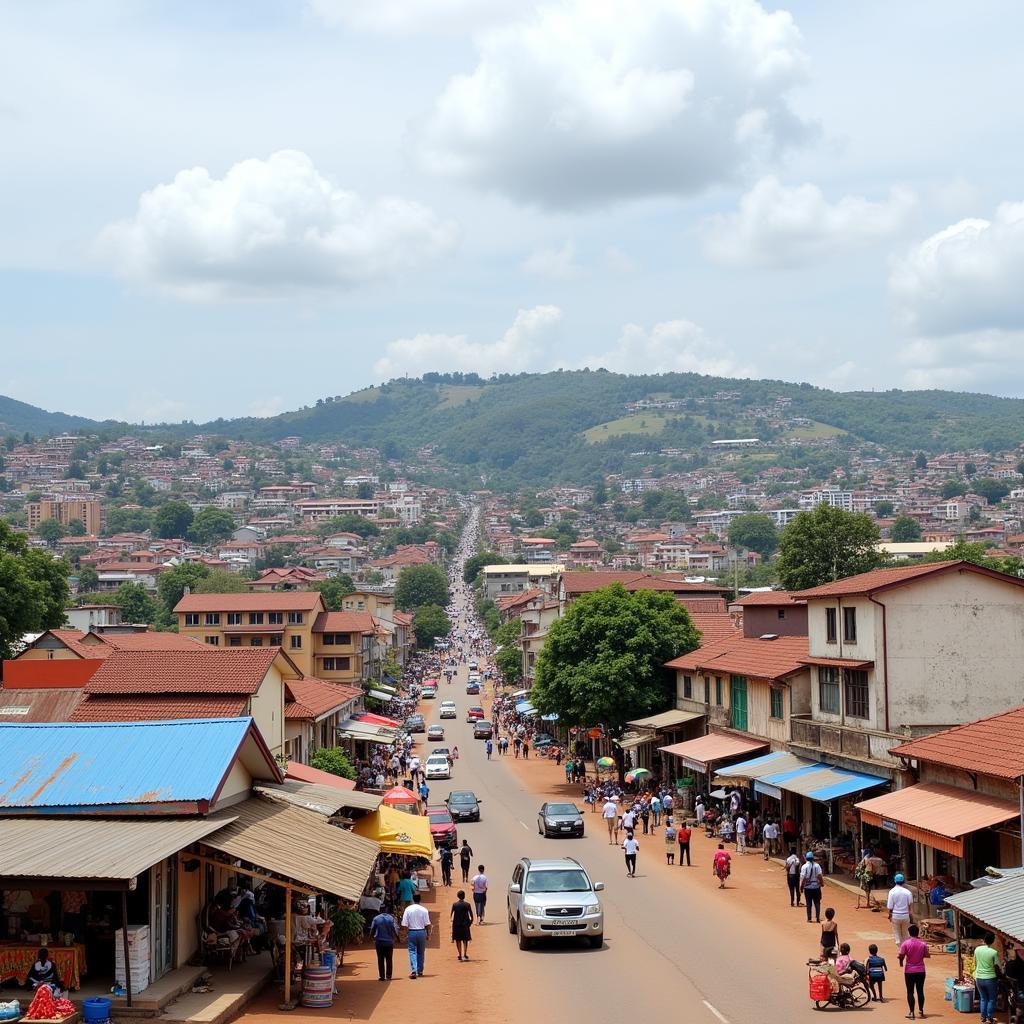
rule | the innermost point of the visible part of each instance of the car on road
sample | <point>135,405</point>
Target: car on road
<point>472,688</point>
<point>435,732</point>
<point>428,692</point>
<point>474,713</point>
<point>415,723</point>
<point>442,827</point>
<point>464,805</point>
<point>556,819</point>
<point>550,899</point>
<point>474,665</point>
<point>482,729</point>
<point>437,767</point>
<point>448,709</point>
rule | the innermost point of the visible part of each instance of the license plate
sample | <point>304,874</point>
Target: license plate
<point>569,923</point>
<point>565,828</point>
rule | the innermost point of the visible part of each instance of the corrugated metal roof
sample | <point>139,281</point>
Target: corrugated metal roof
<point>55,705</point>
<point>715,746</point>
<point>104,849</point>
<point>943,810</point>
<point>296,844</point>
<point>326,800</point>
<point>766,764</point>
<point>665,719</point>
<point>124,764</point>
<point>999,906</point>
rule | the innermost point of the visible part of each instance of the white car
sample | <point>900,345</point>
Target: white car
<point>448,709</point>
<point>437,767</point>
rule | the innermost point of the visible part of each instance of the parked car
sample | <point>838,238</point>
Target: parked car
<point>542,739</point>
<point>474,665</point>
<point>474,713</point>
<point>464,805</point>
<point>482,729</point>
<point>442,827</point>
<point>448,709</point>
<point>560,820</point>
<point>473,688</point>
<point>415,723</point>
<point>435,732</point>
<point>428,692</point>
<point>437,767</point>
<point>550,899</point>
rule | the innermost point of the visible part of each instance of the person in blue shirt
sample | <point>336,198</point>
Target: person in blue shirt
<point>405,890</point>
<point>384,932</point>
<point>877,967</point>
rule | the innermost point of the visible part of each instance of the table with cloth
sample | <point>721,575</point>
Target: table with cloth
<point>16,961</point>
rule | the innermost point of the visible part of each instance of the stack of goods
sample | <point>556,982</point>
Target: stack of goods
<point>138,957</point>
<point>45,1007</point>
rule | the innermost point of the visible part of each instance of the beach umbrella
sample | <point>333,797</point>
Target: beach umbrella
<point>605,763</point>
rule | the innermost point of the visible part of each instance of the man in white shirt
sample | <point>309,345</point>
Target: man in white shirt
<point>629,820</point>
<point>479,884</point>
<point>770,835</point>
<point>741,835</point>
<point>610,812</point>
<point>698,812</point>
<point>414,768</point>
<point>898,903</point>
<point>416,922</point>
<point>630,847</point>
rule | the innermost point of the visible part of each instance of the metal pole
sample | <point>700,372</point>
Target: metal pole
<point>124,940</point>
<point>287,944</point>
<point>831,862</point>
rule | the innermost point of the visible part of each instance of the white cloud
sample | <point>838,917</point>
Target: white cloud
<point>522,347</point>
<point>418,15</point>
<point>556,264</point>
<point>619,262</point>
<point>591,101</point>
<point>674,346</point>
<point>267,227</point>
<point>966,277</point>
<point>778,225</point>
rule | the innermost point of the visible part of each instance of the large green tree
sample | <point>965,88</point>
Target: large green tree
<point>826,545</point>
<point>755,531</point>
<point>508,655</point>
<point>604,661</point>
<point>429,623</point>
<point>905,529</point>
<point>171,586</point>
<point>33,590</point>
<point>419,585</point>
<point>333,760</point>
<point>991,489</point>
<point>211,524</point>
<point>172,519</point>
<point>50,530</point>
<point>333,590</point>
<point>220,581</point>
<point>135,603</point>
<point>348,523</point>
<point>476,562</point>
<point>88,579</point>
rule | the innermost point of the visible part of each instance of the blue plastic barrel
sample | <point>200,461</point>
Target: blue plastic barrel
<point>95,1010</point>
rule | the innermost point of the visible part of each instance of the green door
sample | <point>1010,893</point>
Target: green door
<point>738,701</point>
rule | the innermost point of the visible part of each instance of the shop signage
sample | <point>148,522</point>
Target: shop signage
<point>890,826</point>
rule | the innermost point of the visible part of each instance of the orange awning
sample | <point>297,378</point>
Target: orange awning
<point>716,746</point>
<point>936,815</point>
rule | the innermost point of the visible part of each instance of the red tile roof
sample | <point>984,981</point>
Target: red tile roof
<point>504,603</point>
<point>884,579</point>
<point>344,622</point>
<point>304,773</point>
<point>584,582</point>
<point>714,627</point>
<point>101,708</point>
<point>771,598</point>
<point>206,670</point>
<point>748,656</point>
<point>312,697</point>
<point>703,605</point>
<point>72,640</point>
<point>990,746</point>
<point>150,640</point>
<point>275,601</point>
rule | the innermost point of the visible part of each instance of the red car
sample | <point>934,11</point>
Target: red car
<point>474,714</point>
<point>442,827</point>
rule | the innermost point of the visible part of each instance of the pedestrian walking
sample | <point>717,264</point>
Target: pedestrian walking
<point>741,836</point>
<point>446,865</point>
<point>811,881</point>
<point>876,967</point>
<point>517,745</point>
<point>792,866</point>
<point>480,893</point>
<point>721,866</point>
<point>416,922</point>
<point>986,977</point>
<point>465,859</point>
<point>489,747</point>
<point>526,749</point>
<point>610,813</point>
<point>670,842</point>
<point>898,903</point>
<point>462,925</point>
<point>656,809</point>
<point>699,811</point>
<point>683,836</point>
<point>645,816</point>
<point>630,847</point>
<point>384,932</point>
<point>912,955</point>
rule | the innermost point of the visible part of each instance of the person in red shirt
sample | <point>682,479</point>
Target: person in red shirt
<point>721,866</point>
<point>683,838</point>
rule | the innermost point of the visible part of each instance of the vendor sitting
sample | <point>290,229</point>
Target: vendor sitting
<point>43,972</point>
<point>307,928</point>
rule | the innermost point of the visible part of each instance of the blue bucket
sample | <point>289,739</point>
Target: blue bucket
<point>95,1009</point>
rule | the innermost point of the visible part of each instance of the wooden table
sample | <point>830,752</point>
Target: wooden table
<point>16,961</point>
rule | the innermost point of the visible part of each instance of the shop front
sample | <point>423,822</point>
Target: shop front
<point>703,756</point>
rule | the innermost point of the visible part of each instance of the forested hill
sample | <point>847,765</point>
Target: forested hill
<point>20,418</point>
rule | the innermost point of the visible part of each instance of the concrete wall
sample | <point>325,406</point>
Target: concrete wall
<point>190,903</point>
<point>267,709</point>
<point>758,620</point>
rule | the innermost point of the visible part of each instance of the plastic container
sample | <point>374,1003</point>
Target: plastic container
<point>95,1009</point>
<point>819,988</point>
<point>318,987</point>
<point>950,985</point>
<point>963,998</point>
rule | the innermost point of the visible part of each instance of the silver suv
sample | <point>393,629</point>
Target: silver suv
<point>548,899</point>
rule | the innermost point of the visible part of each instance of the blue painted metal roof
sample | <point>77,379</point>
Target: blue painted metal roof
<point>58,768</point>
<point>523,706</point>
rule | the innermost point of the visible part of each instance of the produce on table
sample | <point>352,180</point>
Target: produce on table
<point>45,1007</point>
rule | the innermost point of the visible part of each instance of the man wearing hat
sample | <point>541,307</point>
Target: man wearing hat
<point>811,880</point>
<point>899,902</point>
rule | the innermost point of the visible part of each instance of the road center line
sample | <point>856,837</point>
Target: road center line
<point>523,823</point>
<point>717,1013</point>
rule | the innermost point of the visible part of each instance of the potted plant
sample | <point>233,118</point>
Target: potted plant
<point>348,929</point>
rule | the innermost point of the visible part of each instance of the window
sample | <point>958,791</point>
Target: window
<point>191,618</point>
<point>212,619</point>
<point>213,641</point>
<point>688,687</point>
<point>275,640</point>
<point>275,618</point>
<point>296,643</point>
<point>234,618</point>
<point>255,641</point>
<point>782,613</point>
<point>850,625</point>
<point>828,690</point>
<point>857,703</point>
<point>738,702</point>
<point>234,641</point>
<point>777,709</point>
<point>337,639</point>
<point>831,634</point>
<point>255,618</point>
<point>337,664</point>
<point>295,618</point>
<point>718,691</point>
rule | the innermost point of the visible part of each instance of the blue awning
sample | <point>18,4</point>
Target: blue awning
<point>758,767</point>
<point>817,780</point>
<point>523,706</point>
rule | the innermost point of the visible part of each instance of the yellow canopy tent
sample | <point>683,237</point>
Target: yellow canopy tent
<point>397,832</point>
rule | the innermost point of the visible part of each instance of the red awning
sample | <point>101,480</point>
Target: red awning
<point>716,746</point>
<point>366,716</point>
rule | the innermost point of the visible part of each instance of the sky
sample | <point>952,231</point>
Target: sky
<point>223,209</point>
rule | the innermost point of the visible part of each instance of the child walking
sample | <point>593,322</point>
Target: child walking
<point>877,967</point>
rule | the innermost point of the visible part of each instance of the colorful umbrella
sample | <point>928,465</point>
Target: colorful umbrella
<point>399,795</point>
<point>640,771</point>
<point>605,762</point>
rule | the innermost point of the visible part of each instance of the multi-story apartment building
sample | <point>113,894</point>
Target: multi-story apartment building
<point>88,510</point>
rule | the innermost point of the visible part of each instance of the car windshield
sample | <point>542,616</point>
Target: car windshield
<point>440,819</point>
<point>438,759</point>
<point>462,798</point>
<point>562,880</point>
<point>483,724</point>
<point>563,809</point>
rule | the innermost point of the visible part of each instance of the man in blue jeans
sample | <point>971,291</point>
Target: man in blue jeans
<point>416,922</point>
<point>811,880</point>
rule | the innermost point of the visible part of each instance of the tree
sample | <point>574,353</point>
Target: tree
<point>755,531</point>
<point>332,591</point>
<point>171,585</point>
<point>970,469</point>
<point>76,528</point>
<point>88,578</point>
<point>600,493</point>
<point>953,489</point>
<point>50,530</point>
<point>603,661</point>
<point>921,460</point>
<point>968,551</point>
<point>990,489</point>
<point>76,471</point>
<point>905,529</point>
<point>364,491</point>
<point>826,545</point>
<point>429,623</point>
<point>135,603</point>
<point>419,585</point>
<point>211,524</point>
<point>333,760</point>
<point>33,590</point>
<point>884,509</point>
<point>508,656</point>
<point>172,519</point>
<point>533,518</point>
<point>220,581</point>
<point>476,562</point>
<point>348,523</point>
<point>127,520</point>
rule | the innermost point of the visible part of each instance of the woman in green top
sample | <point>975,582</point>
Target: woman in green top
<point>986,962</point>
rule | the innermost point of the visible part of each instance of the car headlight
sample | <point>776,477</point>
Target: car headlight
<point>534,909</point>
<point>595,908</point>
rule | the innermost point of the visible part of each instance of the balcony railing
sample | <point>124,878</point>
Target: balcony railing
<point>851,741</point>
